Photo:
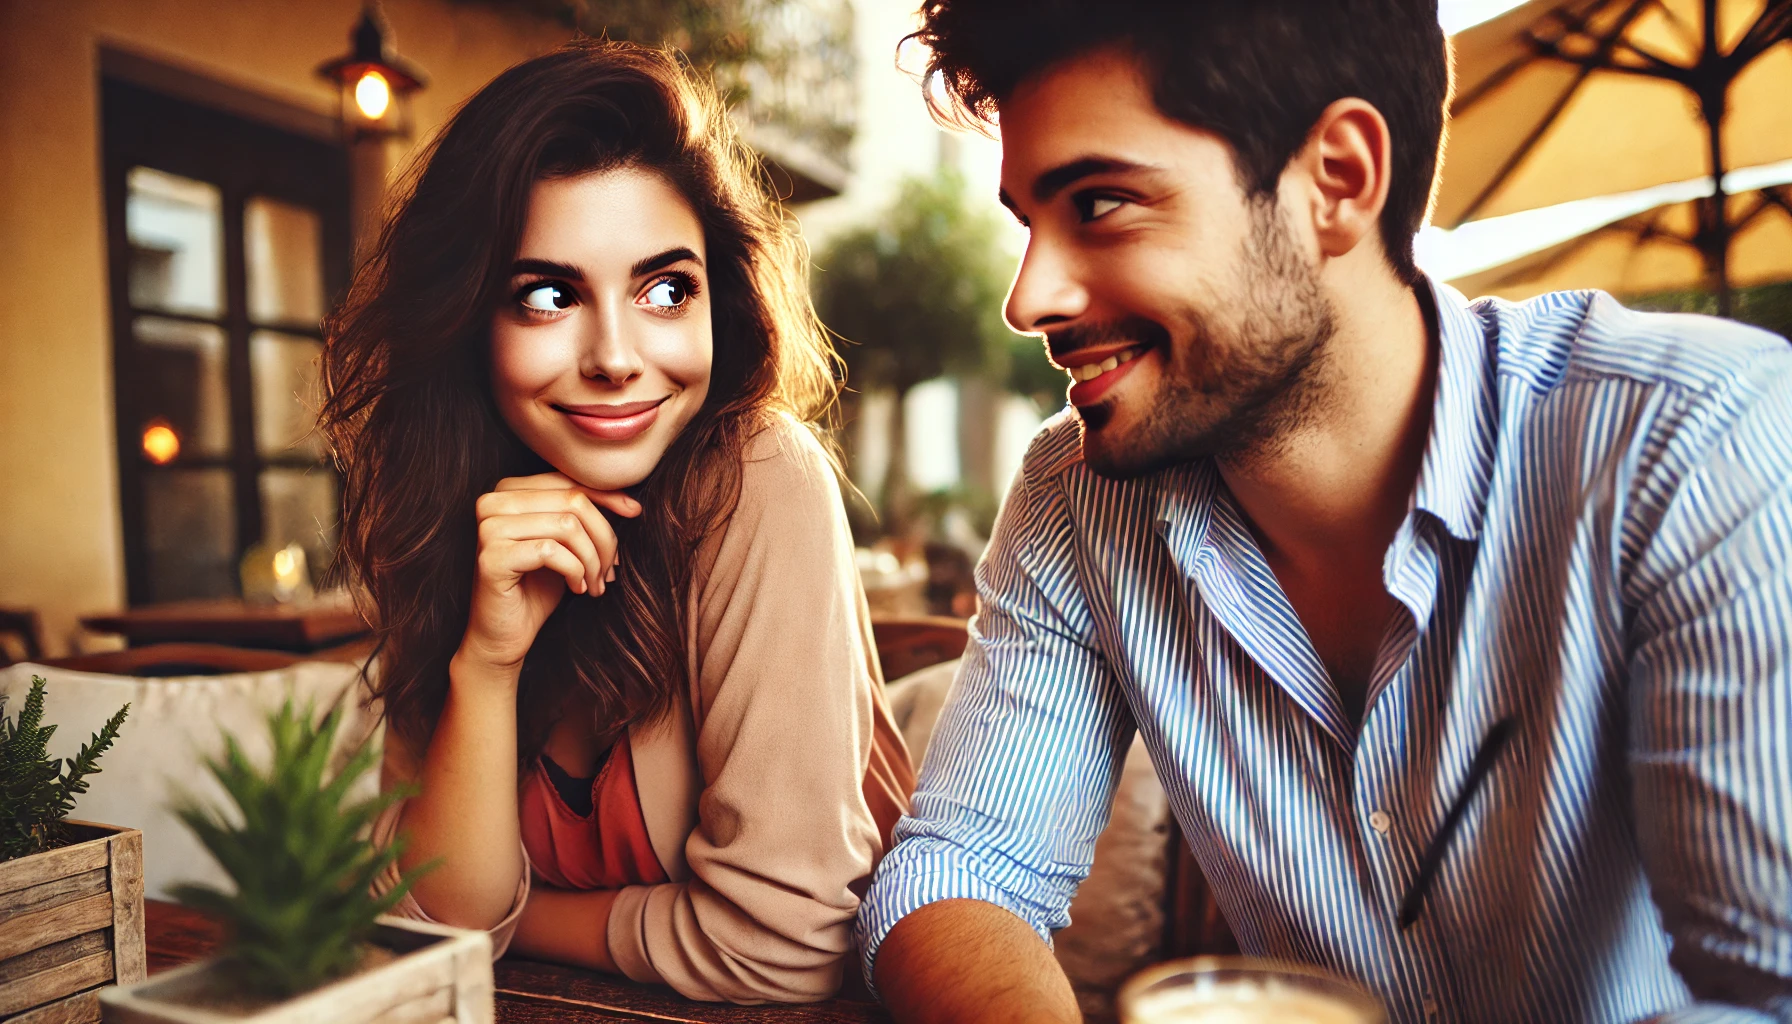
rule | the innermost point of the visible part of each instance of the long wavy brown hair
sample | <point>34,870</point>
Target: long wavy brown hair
<point>409,411</point>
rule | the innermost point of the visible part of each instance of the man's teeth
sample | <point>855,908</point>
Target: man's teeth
<point>1090,371</point>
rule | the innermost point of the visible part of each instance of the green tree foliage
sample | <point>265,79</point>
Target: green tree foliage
<point>36,791</point>
<point>919,293</point>
<point>299,856</point>
<point>1767,306</point>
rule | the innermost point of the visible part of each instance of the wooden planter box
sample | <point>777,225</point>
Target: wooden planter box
<point>71,921</point>
<point>439,975</point>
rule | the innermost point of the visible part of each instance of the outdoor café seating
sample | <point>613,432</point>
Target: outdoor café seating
<point>1134,909</point>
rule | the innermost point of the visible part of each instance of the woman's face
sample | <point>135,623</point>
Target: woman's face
<point>602,352</point>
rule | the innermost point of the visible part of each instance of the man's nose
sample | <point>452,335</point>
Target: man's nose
<point>1045,291</point>
<point>608,349</point>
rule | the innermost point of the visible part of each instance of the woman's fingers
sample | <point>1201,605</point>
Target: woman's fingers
<point>517,558</point>
<point>499,504</point>
<point>615,501</point>
<point>565,527</point>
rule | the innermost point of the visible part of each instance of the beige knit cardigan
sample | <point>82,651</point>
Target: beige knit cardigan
<point>770,792</point>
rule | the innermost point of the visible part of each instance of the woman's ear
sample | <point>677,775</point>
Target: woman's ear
<point>1348,160</point>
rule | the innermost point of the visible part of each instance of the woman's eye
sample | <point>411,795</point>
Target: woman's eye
<point>669,293</point>
<point>549,298</point>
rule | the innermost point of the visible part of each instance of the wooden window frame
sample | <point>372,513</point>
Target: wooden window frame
<point>243,159</point>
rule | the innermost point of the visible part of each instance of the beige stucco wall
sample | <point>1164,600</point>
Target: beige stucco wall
<point>61,548</point>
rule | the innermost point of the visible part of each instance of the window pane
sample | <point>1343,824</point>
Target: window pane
<point>284,245</point>
<point>189,523</point>
<point>182,384</point>
<point>287,394</point>
<point>300,505</point>
<point>175,229</point>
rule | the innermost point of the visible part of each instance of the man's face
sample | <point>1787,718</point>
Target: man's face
<point>1188,314</point>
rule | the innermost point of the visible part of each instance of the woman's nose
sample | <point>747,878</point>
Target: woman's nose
<point>608,351</point>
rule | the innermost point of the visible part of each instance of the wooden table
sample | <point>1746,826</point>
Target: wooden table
<point>304,626</point>
<point>530,992</point>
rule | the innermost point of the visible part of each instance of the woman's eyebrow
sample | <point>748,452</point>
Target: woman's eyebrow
<point>546,268</point>
<point>650,264</point>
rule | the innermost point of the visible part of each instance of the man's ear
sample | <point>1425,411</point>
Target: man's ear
<point>1347,160</point>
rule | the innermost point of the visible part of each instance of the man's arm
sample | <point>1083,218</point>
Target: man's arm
<point>1710,601</point>
<point>969,961</point>
<point>1017,783</point>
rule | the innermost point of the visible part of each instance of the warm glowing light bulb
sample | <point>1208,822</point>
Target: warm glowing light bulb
<point>160,443</point>
<point>373,95</point>
<point>283,563</point>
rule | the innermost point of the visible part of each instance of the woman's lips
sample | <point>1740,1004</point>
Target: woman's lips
<point>1089,392</point>
<point>613,422</point>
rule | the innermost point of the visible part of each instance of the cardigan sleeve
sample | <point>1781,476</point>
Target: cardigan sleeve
<point>784,666</point>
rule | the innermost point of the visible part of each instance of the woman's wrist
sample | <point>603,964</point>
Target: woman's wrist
<point>469,671</point>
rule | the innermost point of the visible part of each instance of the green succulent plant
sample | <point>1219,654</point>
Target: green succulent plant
<point>36,791</point>
<point>299,854</point>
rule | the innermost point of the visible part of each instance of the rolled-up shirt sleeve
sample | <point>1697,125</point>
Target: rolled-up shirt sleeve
<point>1710,604</point>
<point>1020,774</point>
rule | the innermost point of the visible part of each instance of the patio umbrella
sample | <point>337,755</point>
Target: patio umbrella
<point>1559,100</point>
<point>1655,251</point>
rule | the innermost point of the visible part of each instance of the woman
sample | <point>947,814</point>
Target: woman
<point>625,660</point>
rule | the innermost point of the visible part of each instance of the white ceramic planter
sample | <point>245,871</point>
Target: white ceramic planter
<point>441,975</point>
<point>71,921</point>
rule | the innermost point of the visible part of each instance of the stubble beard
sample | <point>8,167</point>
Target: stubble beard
<point>1239,386</point>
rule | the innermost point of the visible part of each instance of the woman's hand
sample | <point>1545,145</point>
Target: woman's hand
<point>539,536</point>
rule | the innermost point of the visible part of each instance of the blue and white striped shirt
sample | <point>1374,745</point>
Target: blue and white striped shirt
<point>1599,546</point>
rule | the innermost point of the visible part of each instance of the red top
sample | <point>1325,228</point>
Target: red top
<point>608,848</point>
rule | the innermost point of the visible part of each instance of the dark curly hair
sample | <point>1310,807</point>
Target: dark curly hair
<point>1258,73</point>
<point>416,432</point>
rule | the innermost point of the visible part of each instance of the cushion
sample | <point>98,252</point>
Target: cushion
<point>175,723</point>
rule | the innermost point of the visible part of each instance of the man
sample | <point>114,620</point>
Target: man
<point>1350,553</point>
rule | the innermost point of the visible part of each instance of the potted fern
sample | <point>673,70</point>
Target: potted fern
<point>71,892</point>
<point>306,939</point>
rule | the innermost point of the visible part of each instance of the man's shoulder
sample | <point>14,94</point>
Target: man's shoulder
<point>1056,448</point>
<point>1566,338</point>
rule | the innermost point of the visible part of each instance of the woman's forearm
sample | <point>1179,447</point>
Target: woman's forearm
<point>466,812</point>
<point>567,927</point>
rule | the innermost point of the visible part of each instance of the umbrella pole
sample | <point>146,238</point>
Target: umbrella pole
<point>1713,88</point>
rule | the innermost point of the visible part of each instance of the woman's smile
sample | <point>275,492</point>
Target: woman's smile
<point>618,422</point>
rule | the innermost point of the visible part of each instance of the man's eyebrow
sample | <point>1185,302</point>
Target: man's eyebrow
<point>546,268</point>
<point>649,264</point>
<point>1064,175</point>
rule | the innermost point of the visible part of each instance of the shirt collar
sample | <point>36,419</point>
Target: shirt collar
<point>1458,464</point>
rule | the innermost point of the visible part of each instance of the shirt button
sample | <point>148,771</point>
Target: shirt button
<point>1380,821</point>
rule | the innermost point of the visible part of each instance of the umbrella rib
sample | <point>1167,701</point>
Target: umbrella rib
<point>1536,134</point>
<point>1570,22</point>
<point>1550,262</point>
<point>1763,203</point>
<point>1772,26</point>
<point>1777,197</point>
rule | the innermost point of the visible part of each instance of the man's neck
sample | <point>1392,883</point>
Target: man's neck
<point>1337,489</point>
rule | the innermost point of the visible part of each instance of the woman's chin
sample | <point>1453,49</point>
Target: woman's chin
<point>611,475</point>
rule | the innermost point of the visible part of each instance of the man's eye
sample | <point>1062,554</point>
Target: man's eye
<point>1097,207</point>
<point>668,293</point>
<point>549,298</point>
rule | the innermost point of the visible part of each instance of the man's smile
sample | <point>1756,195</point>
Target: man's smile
<point>1097,368</point>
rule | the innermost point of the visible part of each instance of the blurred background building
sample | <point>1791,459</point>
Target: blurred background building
<point>181,191</point>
